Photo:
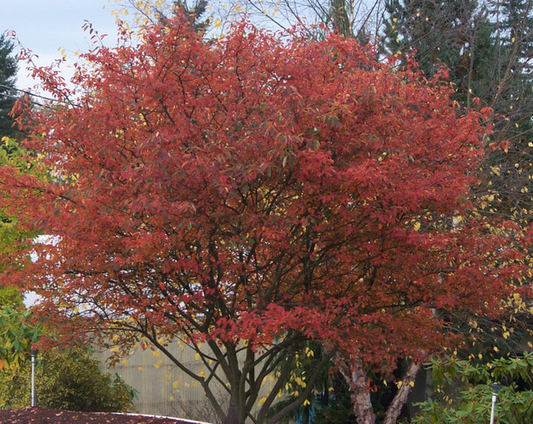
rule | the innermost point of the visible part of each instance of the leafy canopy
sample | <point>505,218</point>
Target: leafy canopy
<point>255,192</point>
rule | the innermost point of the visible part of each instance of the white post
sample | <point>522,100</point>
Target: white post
<point>495,389</point>
<point>33,396</point>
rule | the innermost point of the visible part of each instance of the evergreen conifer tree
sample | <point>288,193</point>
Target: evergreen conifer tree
<point>195,12</point>
<point>8,71</point>
<point>452,34</point>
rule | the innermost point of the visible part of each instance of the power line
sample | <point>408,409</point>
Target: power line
<point>9,96</point>
<point>28,93</point>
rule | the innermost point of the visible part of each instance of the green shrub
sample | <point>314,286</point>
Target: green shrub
<point>66,379</point>
<point>464,391</point>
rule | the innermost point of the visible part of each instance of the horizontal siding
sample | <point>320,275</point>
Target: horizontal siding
<point>163,389</point>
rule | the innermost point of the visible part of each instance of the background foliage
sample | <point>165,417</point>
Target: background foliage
<point>464,391</point>
<point>66,379</point>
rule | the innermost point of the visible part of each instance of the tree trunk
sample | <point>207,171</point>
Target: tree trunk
<point>235,413</point>
<point>359,391</point>
<point>357,380</point>
<point>394,409</point>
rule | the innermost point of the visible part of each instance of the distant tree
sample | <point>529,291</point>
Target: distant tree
<point>194,10</point>
<point>8,73</point>
<point>358,19</point>
<point>455,35</point>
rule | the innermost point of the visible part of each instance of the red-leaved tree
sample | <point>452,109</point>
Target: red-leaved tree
<point>248,194</point>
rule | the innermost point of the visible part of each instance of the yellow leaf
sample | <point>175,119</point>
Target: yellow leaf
<point>495,170</point>
<point>417,226</point>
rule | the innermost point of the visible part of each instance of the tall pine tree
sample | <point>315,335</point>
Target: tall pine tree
<point>454,34</point>
<point>511,96</point>
<point>8,72</point>
<point>194,11</point>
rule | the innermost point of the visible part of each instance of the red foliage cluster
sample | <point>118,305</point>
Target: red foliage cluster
<point>245,188</point>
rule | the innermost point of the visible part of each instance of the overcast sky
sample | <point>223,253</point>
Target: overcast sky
<point>46,26</point>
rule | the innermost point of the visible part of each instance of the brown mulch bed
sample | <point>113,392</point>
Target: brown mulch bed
<point>54,416</point>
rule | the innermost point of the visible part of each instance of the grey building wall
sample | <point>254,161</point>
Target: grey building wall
<point>163,389</point>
